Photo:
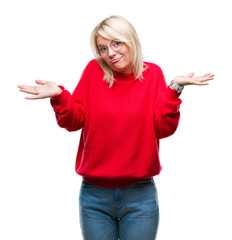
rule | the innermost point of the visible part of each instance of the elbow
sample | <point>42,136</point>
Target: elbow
<point>70,126</point>
<point>167,126</point>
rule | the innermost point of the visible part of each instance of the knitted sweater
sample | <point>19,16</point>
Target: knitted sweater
<point>120,126</point>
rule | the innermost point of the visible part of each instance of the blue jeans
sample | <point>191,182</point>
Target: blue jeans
<point>127,213</point>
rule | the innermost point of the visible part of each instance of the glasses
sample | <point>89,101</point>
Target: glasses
<point>114,45</point>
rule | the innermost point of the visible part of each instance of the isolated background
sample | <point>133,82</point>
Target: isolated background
<point>49,40</point>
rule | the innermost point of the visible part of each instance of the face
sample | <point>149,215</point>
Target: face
<point>119,61</point>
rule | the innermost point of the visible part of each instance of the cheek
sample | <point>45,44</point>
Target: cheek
<point>128,59</point>
<point>128,56</point>
<point>107,60</point>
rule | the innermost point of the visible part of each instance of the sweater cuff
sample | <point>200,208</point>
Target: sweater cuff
<point>59,96</point>
<point>59,100</point>
<point>172,94</point>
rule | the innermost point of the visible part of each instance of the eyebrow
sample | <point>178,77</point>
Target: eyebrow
<point>111,41</point>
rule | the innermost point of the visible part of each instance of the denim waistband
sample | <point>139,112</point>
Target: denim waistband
<point>144,180</point>
<point>151,178</point>
<point>147,180</point>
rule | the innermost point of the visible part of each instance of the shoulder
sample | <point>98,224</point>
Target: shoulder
<point>93,64</point>
<point>91,67</point>
<point>156,76</point>
<point>152,67</point>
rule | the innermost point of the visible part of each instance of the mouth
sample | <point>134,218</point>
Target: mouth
<point>115,60</point>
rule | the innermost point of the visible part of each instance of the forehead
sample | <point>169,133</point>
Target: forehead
<point>102,41</point>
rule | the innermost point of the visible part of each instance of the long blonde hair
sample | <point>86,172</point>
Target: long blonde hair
<point>117,27</point>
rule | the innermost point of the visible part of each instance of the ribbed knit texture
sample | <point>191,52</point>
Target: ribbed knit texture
<point>121,126</point>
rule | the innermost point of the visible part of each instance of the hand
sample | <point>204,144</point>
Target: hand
<point>47,89</point>
<point>190,80</point>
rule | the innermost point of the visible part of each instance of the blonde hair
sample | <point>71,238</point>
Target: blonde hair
<point>117,27</point>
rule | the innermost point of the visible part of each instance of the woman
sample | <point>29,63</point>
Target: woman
<point>124,107</point>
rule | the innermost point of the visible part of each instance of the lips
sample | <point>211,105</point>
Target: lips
<point>115,60</point>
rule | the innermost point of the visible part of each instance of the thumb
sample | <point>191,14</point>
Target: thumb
<point>41,82</point>
<point>190,74</point>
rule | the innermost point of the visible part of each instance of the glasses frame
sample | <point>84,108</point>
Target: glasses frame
<point>111,46</point>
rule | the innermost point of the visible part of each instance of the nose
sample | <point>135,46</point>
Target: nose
<point>111,52</point>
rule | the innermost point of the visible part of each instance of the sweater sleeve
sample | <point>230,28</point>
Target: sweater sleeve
<point>70,110</point>
<point>166,110</point>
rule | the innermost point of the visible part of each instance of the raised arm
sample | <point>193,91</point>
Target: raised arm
<point>166,112</point>
<point>70,109</point>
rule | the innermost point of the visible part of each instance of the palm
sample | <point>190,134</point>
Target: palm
<point>44,89</point>
<point>190,80</point>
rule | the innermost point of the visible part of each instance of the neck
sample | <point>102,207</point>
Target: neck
<point>123,76</point>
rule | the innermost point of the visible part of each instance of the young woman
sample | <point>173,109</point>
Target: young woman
<point>124,107</point>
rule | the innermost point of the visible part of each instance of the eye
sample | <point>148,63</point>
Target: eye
<point>116,44</point>
<point>102,49</point>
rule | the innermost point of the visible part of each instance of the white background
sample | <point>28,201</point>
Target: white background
<point>49,40</point>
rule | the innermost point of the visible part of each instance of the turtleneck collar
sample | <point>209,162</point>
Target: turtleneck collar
<point>124,77</point>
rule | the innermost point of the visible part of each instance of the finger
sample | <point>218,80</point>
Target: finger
<point>26,87</point>
<point>30,91</point>
<point>205,79</point>
<point>33,97</point>
<point>207,75</point>
<point>200,83</point>
<point>41,82</point>
<point>23,86</point>
<point>190,74</point>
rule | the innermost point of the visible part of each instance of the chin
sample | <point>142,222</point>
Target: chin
<point>120,68</point>
<point>125,70</point>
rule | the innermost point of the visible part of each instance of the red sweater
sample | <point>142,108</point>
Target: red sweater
<point>121,126</point>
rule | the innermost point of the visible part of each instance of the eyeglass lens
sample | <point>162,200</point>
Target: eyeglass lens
<point>115,45</point>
